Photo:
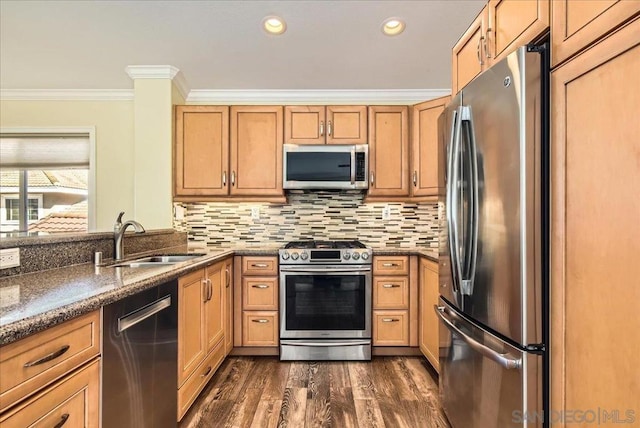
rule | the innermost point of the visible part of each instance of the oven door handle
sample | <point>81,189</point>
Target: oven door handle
<point>325,343</point>
<point>326,269</point>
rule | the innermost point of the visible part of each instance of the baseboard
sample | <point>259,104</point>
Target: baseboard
<point>395,351</point>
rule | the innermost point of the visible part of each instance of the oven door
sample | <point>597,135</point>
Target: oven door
<point>325,302</point>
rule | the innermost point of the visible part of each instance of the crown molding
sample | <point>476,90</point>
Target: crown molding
<point>151,71</point>
<point>66,94</point>
<point>319,96</point>
<point>181,84</point>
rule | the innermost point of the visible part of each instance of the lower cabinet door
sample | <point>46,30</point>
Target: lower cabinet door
<point>390,328</point>
<point>74,401</point>
<point>188,392</point>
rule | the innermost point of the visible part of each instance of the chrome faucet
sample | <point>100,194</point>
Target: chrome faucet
<point>118,233</point>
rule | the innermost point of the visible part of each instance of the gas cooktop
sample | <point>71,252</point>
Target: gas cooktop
<point>306,245</point>
<point>325,252</point>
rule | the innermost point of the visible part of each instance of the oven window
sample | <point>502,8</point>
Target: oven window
<point>325,302</point>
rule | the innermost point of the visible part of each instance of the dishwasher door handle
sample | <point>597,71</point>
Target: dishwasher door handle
<point>143,313</point>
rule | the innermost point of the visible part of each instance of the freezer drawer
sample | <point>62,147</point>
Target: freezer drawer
<point>485,382</point>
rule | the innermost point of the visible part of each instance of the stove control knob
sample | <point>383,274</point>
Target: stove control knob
<point>365,256</point>
<point>346,256</point>
<point>356,256</point>
<point>294,256</point>
<point>304,255</point>
<point>285,255</point>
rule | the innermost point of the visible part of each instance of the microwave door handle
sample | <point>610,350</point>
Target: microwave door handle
<point>353,166</point>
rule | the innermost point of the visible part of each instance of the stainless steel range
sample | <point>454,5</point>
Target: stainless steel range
<point>325,301</point>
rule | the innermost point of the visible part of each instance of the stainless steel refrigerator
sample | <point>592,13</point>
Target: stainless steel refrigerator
<point>494,252</point>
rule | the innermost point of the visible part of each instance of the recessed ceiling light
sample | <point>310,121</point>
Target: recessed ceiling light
<point>393,26</point>
<point>274,25</point>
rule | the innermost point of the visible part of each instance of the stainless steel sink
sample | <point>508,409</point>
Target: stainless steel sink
<point>157,260</point>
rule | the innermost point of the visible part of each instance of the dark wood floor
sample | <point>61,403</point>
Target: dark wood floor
<point>264,392</point>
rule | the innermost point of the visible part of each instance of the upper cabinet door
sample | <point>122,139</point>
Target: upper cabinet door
<point>256,150</point>
<point>346,125</point>
<point>513,23</point>
<point>424,147</point>
<point>304,124</point>
<point>389,151</point>
<point>468,59</point>
<point>575,24</point>
<point>201,151</point>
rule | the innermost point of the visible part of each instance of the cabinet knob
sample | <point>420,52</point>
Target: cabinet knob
<point>322,128</point>
<point>262,286</point>
<point>390,320</point>
<point>261,321</point>
<point>391,286</point>
<point>372,178</point>
<point>233,178</point>
<point>329,128</point>
<point>415,178</point>
<point>478,48</point>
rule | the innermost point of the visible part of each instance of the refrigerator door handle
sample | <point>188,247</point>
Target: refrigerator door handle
<point>466,117</point>
<point>504,360</point>
<point>452,197</point>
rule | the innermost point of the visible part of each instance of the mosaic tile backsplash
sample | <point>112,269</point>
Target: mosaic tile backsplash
<point>313,215</point>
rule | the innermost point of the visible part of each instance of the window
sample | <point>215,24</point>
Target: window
<point>13,209</point>
<point>50,174</point>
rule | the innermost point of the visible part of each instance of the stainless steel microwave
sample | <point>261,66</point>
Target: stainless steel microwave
<point>323,166</point>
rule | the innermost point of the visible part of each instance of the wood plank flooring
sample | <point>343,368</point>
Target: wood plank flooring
<point>265,392</point>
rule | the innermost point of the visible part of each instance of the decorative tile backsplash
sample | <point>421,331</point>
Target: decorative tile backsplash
<point>313,215</point>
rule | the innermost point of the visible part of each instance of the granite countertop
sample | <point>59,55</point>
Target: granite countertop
<point>36,301</point>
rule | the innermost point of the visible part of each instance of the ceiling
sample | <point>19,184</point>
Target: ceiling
<point>220,45</point>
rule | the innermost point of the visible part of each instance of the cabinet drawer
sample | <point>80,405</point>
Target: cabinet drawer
<point>391,292</point>
<point>260,328</point>
<point>260,293</point>
<point>33,362</point>
<point>74,402</point>
<point>390,328</point>
<point>391,265</point>
<point>259,266</point>
<point>199,379</point>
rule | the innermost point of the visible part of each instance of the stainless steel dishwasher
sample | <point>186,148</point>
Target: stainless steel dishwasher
<point>140,358</point>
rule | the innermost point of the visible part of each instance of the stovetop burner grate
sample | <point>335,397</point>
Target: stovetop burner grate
<point>324,245</point>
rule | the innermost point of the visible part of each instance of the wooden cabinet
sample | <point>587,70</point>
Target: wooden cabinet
<point>256,150</point>
<point>391,301</point>
<point>214,306</point>
<point>201,330</point>
<point>575,24</point>
<point>74,401</point>
<point>201,158</point>
<point>500,28</point>
<point>388,151</point>
<point>259,301</point>
<point>228,305</point>
<point>191,333</point>
<point>30,364</point>
<point>429,293</point>
<point>595,238</point>
<point>426,149</point>
<point>513,23</point>
<point>325,125</point>
<point>221,152</point>
<point>468,59</point>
